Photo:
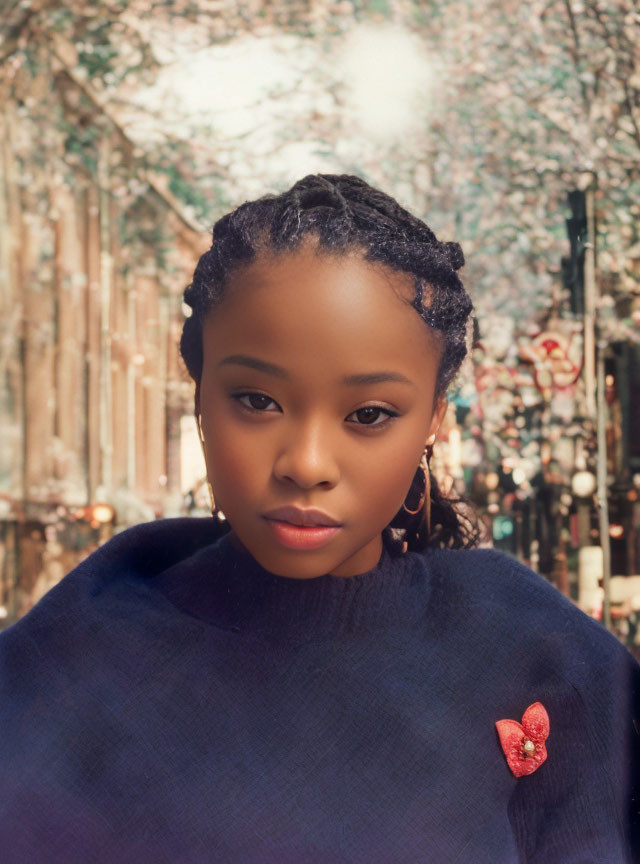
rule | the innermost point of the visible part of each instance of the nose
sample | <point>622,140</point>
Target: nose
<point>307,459</point>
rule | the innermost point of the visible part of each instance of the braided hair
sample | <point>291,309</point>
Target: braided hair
<point>343,212</point>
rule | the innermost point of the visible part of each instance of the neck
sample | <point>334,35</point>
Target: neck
<point>225,586</point>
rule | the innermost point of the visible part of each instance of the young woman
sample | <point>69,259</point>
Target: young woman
<point>331,673</point>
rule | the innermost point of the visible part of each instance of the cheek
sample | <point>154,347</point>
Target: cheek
<point>393,481</point>
<point>235,468</point>
<point>233,462</point>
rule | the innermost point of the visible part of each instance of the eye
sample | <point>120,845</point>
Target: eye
<point>371,410</point>
<point>367,415</point>
<point>258,398</point>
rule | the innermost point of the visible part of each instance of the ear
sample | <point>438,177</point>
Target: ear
<point>436,419</point>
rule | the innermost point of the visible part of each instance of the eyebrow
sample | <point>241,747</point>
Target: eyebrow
<point>349,380</point>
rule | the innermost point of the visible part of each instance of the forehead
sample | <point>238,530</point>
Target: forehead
<point>329,310</point>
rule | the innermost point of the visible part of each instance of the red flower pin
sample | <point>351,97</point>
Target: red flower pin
<point>523,743</point>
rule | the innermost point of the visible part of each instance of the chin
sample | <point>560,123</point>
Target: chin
<point>293,563</point>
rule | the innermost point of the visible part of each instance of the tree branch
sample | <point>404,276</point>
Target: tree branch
<point>61,50</point>
<point>576,52</point>
<point>632,117</point>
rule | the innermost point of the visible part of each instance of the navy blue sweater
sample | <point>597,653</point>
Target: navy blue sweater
<point>172,701</point>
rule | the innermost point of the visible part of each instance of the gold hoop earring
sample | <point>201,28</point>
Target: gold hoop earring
<point>425,469</point>
<point>426,492</point>
<point>426,458</point>
<point>201,434</point>
<point>427,477</point>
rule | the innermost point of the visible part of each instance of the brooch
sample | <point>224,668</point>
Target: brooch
<point>523,743</point>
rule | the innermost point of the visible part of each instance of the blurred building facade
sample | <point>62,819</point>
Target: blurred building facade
<point>95,252</point>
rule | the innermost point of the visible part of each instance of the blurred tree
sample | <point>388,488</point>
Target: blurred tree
<point>530,98</point>
<point>543,97</point>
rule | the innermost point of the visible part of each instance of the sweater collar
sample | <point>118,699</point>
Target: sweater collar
<point>223,584</point>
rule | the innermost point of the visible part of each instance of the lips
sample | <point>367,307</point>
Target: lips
<point>304,518</point>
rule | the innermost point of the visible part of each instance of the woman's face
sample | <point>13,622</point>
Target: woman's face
<point>300,435</point>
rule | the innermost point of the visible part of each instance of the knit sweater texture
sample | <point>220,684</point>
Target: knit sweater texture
<point>172,701</point>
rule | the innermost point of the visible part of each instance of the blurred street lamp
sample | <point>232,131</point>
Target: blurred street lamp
<point>99,515</point>
<point>583,484</point>
<point>102,513</point>
<point>518,476</point>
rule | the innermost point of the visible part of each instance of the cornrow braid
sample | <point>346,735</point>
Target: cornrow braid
<point>344,212</point>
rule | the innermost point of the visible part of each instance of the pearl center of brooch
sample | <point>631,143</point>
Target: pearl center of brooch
<point>529,747</point>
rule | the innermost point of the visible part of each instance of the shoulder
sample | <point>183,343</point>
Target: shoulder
<point>158,544</point>
<point>488,578</point>
<point>103,612</point>
<point>513,605</point>
<point>129,558</point>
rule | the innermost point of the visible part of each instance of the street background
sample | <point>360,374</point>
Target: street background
<point>128,127</point>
